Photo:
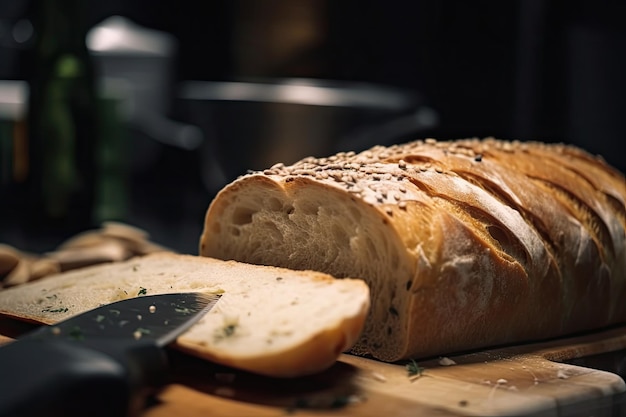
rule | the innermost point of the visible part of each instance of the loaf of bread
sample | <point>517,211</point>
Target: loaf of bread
<point>270,321</point>
<point>464,244</point>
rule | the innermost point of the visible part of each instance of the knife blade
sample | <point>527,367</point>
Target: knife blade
<point>104,362</point>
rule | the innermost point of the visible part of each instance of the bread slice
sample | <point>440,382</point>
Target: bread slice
<point>464,244</point>
<point>270,321</point>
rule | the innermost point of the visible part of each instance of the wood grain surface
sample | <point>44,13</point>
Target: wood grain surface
<point>536,379</point>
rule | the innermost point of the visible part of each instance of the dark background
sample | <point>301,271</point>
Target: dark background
<point>529,70</point>
<point>545,70</point>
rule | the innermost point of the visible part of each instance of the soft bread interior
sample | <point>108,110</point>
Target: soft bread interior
<point>311,230</point>
<point>271,321</point>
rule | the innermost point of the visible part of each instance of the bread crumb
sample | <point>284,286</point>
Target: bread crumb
<point>446,362</point>
<point>379,377</point>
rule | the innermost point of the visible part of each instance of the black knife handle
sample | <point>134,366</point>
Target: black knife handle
<point>60,378</point>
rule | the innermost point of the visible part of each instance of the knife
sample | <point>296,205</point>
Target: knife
<point>104,362</point>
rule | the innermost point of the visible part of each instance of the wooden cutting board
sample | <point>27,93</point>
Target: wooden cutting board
<point>535,379</point>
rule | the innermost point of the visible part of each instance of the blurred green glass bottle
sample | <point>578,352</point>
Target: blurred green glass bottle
<point>63,120</point>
